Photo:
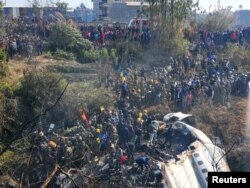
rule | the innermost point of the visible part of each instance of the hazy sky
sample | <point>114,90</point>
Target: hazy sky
<point>205,4</point>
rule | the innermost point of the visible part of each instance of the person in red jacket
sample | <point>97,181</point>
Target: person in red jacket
<point>122,159</point>
<point>233,36</point>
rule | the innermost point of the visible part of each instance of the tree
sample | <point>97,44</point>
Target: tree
<point>62,8</point>
<point>38,94</point>
<point>2,22</point>
<point>219,20</point>
<point>37,7</point>
<point>68,39</point>
<point>3,65</point>
<point>168,17</point>
<point>152,4</point>
<point>1,9</point>
<point>170,11</point>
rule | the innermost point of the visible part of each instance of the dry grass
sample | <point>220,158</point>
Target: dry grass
<point>229,120</point>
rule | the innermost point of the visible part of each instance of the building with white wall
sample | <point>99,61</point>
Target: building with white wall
<point>116,10</point>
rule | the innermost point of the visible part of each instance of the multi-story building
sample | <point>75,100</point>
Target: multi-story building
<point>116,10</point>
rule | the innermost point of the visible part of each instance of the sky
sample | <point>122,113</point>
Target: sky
<point>205,4</point>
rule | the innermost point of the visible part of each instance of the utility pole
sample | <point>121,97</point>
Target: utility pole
<point>86,14</point>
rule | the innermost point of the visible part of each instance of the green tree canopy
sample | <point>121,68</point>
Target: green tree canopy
<point>68,38</point>
<point>167,18</point>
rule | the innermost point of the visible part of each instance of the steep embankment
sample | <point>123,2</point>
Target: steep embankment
<point>226,122</point>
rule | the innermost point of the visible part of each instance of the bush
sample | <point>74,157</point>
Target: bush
<point>177,46</point>
<point>37,92</point>
<point>7,160</point>
<point>67,38</point>
<point>238,55</point>
<point>104,53</point>
<point>12,160</point>
<point>5,89</point>
<point>3,65</point>
<point>90,56</point>
<point>113,54</point>
<point>3,69</point>
<point>64,55</point>
<point>134,47</point>
<point>3,55</point>
<point>174,44</point>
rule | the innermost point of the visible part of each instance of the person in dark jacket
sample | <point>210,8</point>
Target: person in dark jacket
<point>168,136</point>
<point>142,162</point>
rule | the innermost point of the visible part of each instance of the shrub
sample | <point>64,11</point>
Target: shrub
<point>12,160</point>
<point>64,55</point>
<point>67,38</point>
<point>3,66</point>
<point>3,69</point>
<point>5,89</point>
<point>113,54</point>
<point>238,55</point>
<point>6,160</point>
<point>3,55</point>
<point>37,92</point>
<point>104,53</point>
<point>90,56</point>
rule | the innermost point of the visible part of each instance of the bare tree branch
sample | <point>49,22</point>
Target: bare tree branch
<point>48,179</point>
<point>225,154</point>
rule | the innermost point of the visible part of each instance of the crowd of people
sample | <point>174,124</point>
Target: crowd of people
<point>206,40</point>
<point>100,34</point>
<point>128,135</point>
<point>28,38</point>
<point>184,82</point>
<point>25,38</point>
<point>240,35</point>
